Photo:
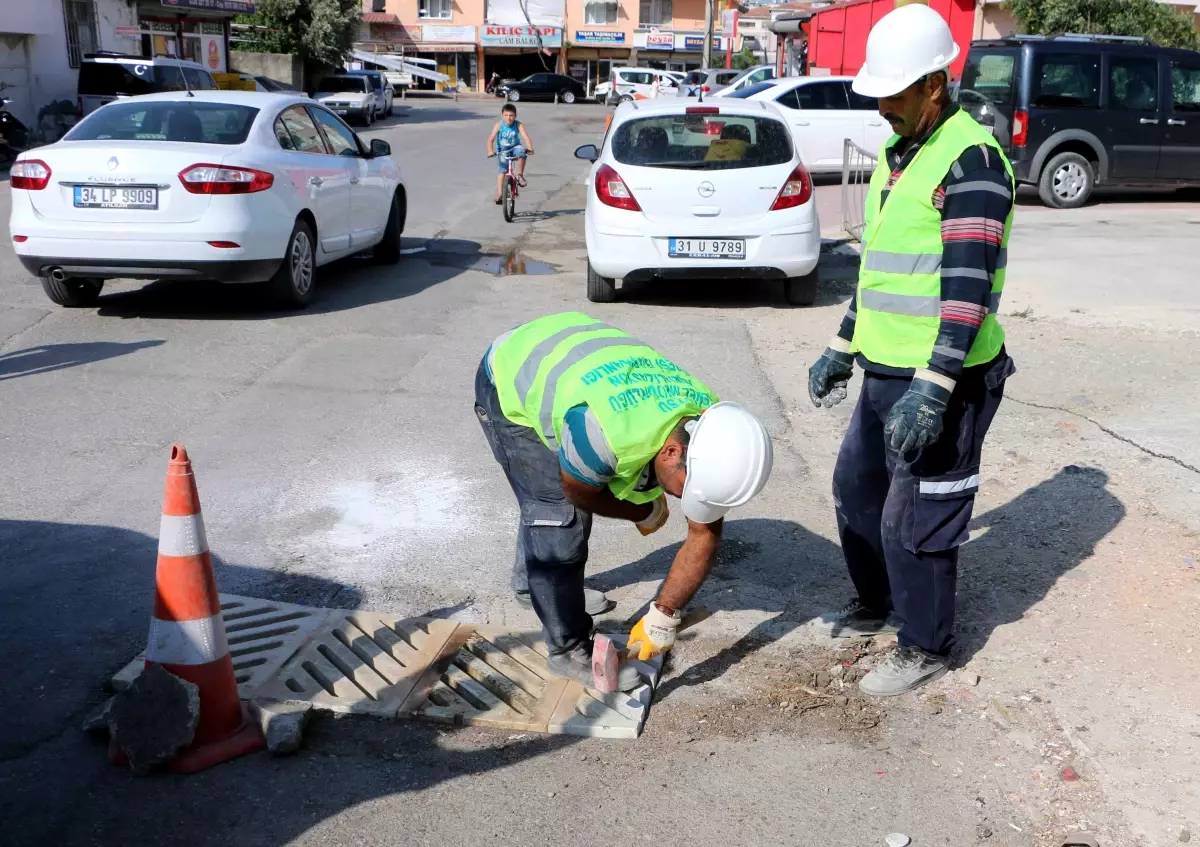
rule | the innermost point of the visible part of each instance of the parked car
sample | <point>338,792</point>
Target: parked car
<point>250,82</point>
<point>381,87</point>
<point>748,77</point>
<point>106,76</point>
<point>543,86</point>
<point>627,84</point>
<point>822,112</point>
<point>265,83</point>
<point>352,97</point>
<point>690,191</point>
<point>233,186</point>
<point>600,92</point>
<point>1074,112</point>
<point>707,81</point>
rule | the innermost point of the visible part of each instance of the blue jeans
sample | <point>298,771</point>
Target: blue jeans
<point>552,535</point>
<point>503,156</point>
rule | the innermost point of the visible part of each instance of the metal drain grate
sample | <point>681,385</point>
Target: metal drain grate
<point>360,662</point>
<point>262,635</point>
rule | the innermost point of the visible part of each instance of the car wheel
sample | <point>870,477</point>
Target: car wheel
<point>513,96</point>
<point>72,293</point>
<point>1066,181</point>
<point>293,283</point>
<point>387,251</point>
<point>802,290</point>
<point>568,97</point>
<point>391,108</point>
<point>624,98</point>
<point>600,289</point>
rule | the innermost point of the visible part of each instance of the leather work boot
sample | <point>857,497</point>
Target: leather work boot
<point>577,666</point>
<point>854,620</point>
<point>596,602</point>
<point>905,669</point>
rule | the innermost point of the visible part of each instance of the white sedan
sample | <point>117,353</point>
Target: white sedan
<point>233,186</point>
<point>823,112</point>
<point>681,190</point>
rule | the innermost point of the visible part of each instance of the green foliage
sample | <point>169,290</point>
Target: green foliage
<point>746,59</point>
<point>320,31</point>
<point>1156,21</point>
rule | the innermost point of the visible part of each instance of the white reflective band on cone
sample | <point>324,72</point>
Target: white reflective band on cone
<point>182,535</point>
<point>951,487</point>
<point>195,642</point>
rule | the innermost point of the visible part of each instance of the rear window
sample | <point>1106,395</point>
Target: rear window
<point>751,90</point>
<point>702,142</point>
<point>202,123</point>
<point>1065,81</point>
<point>106,79</point>
<point>335,84</point>
<point>988,77</point>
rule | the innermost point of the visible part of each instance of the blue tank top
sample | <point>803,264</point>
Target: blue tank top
<point>509,136</point>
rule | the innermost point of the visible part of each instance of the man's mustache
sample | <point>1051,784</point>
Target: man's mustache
<point>893,118</point>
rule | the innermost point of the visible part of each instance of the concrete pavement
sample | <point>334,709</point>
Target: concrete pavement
<point>339,464</point>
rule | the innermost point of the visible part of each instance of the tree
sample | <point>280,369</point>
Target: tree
<point>744,59</point>
<point>1158,22</point>
<point>318,31</point>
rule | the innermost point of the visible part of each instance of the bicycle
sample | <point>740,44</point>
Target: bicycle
<point>508,200</point>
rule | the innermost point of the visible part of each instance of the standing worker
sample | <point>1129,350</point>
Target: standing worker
<point>923,327</point>
<point>587,420</point>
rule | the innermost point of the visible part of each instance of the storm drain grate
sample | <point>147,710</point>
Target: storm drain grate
<point>262,634</point>
<point>360,662</point>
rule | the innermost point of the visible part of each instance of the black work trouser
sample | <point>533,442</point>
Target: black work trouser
<point>901,518</point>
<point>552,535</point>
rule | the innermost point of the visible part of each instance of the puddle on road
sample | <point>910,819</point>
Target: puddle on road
<point>512,263</point>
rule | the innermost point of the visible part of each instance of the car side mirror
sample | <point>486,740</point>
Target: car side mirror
<point>587,151</point>
<point>379,147</point>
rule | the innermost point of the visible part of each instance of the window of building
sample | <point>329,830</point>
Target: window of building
<point>81,29</point>
<point>656,12</point>
<point>600,13</point>
<point>435,9</point>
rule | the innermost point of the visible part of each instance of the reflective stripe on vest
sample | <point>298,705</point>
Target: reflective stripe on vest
<point>898,303</point>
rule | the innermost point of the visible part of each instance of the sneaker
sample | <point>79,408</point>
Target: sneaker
<point>577,666</point>
<point>905,669</point>
<point>854,620</point>
<point>595,602</point>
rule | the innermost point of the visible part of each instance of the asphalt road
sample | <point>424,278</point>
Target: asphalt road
<point>339,464</point>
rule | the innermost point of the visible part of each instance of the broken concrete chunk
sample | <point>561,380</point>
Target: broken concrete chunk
<point>154,718</point>
<point>282,723</point>
<point>97,720</point>
<point>968,678</point>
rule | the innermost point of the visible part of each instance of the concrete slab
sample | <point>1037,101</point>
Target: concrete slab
<point>263,634</point>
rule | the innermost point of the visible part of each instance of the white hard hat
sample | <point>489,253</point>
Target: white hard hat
<point>728,462</point>
<point>904,45</point>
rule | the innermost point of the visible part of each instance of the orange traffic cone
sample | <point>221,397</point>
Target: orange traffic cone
<point>187,635</point>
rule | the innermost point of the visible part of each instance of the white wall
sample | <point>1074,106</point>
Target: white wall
<point>111,14</point>
<point>33,32</point>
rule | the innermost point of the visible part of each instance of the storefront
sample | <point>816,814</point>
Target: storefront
<point>675,51</point>
<point>196,30</point>
<point>453,49</point>
<point>594,53</point>
<point>515,52</point>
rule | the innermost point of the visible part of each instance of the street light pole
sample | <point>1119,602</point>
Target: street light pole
<point>706,53</point>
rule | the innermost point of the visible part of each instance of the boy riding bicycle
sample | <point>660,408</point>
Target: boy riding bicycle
<point>507,138</point>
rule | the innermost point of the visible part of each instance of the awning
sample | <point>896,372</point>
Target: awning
<point>395,63</point>
<point>380,18</point>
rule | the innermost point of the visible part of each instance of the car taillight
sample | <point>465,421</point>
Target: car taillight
<point>224,245</point>
<point>20,239</point>
<point>703,110</point>
<point>613,191</point>
<point>218,179</point>
<point>796,191</point>
<point>29,174</point>
<point>703,88</point>
<point>1020,128</point>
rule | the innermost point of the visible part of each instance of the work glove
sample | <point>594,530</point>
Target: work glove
<point>916,418</point>
<point>657,518</point>
<point>654,634</point>
<point>828,376</point>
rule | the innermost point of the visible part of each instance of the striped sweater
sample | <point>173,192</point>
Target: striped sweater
<point>975,198</point>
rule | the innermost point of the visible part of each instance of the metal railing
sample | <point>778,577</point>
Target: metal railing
<point>857,165</point>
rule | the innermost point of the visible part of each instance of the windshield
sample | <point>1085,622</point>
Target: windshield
<point>167,120</point>
<point>337,84</point>
<point>988,78</point>
<point>702,142</point>
<point>751,90</point>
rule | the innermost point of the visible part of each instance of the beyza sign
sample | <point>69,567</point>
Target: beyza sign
<point>521,36</point>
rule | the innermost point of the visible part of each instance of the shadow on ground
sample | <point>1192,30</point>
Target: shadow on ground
<point>431,113</point>
<point>345,284</point>
<point>55,357</point>
<point>1027,195</point>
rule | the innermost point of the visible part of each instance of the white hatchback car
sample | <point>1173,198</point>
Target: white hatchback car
<point>681,190</point>
<point>233,186</point>
<point>823,111</point>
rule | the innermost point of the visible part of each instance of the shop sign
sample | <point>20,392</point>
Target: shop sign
<point>598,36</point>
<point>454,34</point>
<point>696,43</point>
<point>660,41</point>
<point>241,7</point>
<point>521,36</point>
<point>127,31</point>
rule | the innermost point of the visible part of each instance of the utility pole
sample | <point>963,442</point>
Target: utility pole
<point>706,54</point>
